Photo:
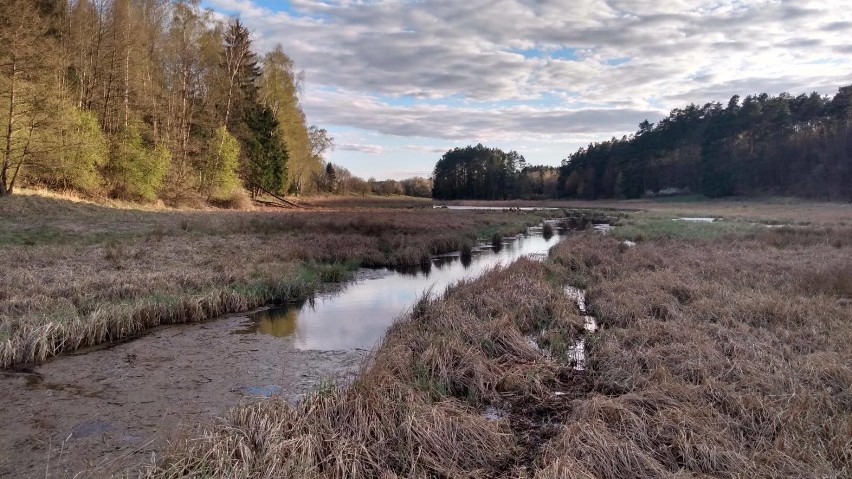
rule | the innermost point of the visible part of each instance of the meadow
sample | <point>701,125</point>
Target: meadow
<point>722,352</point>
<point>78,274</point>
<point>722,348</point>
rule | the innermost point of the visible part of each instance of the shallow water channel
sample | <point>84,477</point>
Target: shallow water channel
<point>109,409</point>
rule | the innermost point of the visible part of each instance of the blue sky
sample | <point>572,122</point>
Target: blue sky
<point>399,82</point>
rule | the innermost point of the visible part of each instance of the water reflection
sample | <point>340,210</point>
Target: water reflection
<point>278,322</point>
<point>496,208</point>
<point>359,315</point>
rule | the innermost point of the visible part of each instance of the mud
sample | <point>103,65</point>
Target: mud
<point>108,410</point>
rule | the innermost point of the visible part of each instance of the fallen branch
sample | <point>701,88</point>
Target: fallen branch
<point>272,203</point>
<point>285,201</point>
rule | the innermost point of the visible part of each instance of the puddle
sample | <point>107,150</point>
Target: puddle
<point>578,296</point>
<point>261,391</point>
<point>577,351</point>
<point>603,228</point>
<point>120,404</point>
<point>494,414</point>
<point>107,414</point>
<point>697,219</point>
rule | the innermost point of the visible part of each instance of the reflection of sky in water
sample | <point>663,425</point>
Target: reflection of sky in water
<point>497,208</point>
<point>358,316</point>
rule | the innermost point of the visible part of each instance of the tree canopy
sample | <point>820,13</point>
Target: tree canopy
<point>148,100</point>
<point>476,172</point>
<point>785,145</point>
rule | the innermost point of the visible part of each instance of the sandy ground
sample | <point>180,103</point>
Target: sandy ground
<point>109,410</point>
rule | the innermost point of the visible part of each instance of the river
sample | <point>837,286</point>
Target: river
<point>108,409</point>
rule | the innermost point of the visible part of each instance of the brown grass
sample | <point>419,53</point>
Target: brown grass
<point>717,358</point>
<point>773,210</point>
<point>77,274</point>
<point>727,358</point>
<point>416,411</point>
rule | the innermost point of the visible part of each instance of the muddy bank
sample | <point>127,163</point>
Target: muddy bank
<point>109,410</point>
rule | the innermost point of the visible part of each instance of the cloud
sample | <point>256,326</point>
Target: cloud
<point>425,148</point>
<point>467,123</point>
<point>457,65</point>
<point>371,149</point>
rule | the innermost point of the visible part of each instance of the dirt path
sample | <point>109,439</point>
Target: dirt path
<point>108,410</point>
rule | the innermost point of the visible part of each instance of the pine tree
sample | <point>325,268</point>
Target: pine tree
<point>266,157</point>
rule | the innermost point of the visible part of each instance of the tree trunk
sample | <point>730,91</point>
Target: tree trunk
<point>6,188</point>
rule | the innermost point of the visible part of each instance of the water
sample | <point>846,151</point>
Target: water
<point>358,316</point>
<point>109,409</point>
<point>497,208</point>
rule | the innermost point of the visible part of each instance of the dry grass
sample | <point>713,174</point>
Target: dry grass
<point>771,210</point>
<point>77,274</point>
<point>723,353</point>
<point>717,358</point>
<point>727,358</point>
<point>416,411</point>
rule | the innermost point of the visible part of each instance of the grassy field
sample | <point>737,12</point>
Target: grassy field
<point>723,351</point>
<point>77,274</point>
<point>723,348</point>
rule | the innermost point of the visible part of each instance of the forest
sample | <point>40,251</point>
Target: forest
<point>763,145</point>
<point>149,100</point>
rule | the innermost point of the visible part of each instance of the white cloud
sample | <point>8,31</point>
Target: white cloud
<point>603,66</point>
<point>425,148</point>
<point>371,149</point>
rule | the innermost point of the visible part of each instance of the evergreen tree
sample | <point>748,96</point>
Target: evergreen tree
<point>266,157</point>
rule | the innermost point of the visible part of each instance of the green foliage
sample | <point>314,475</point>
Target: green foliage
<point>279,90</point>
<point>223,180</point>
<point>266,156</point>
<point>136,171</point>
<point>74,151</point>
<point>649,226</point>
<point>537,182</point>
<point>787,145</point>
<point>86,153</point>
<point>476,172</point>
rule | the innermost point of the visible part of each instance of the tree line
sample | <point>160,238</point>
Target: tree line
<point>479,172</point>
<point>146,100</point>
<point>780,145</point>
<point>337,180</point>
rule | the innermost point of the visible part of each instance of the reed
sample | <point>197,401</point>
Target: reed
<point>722,357</point>
<point>78,274</point>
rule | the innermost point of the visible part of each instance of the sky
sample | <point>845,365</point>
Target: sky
<point>399,82</point>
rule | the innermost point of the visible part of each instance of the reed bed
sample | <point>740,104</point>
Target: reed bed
<point>725,357</point>
<point>78,274</point>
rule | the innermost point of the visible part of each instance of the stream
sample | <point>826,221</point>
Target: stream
<point>103,411</point>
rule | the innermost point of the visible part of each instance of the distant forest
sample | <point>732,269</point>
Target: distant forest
<point>478,172</point>
<point>775,145</point>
